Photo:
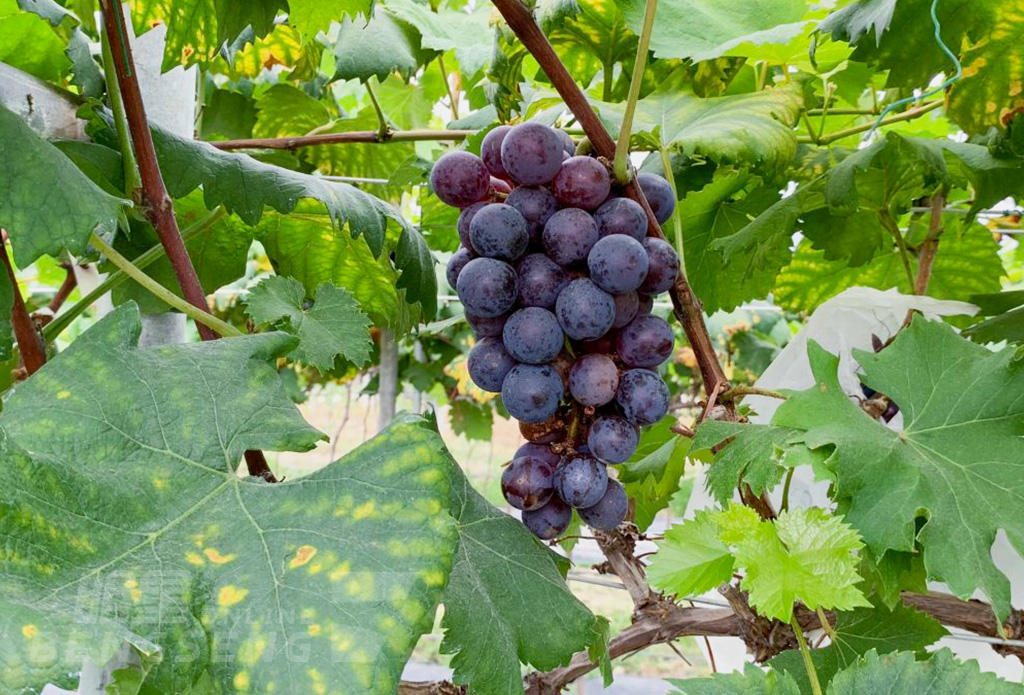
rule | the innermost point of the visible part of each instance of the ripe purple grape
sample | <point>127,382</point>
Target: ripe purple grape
<point>585,311</point>
<point>465,220</point>
<point>536,204</point>
<point>499,231</point>
<point>487,287</point>
<point>593,379</point>
<point>605,344</point>
<point>645,302</point>
<point>486,326</point>
<point>612,439</point>
<point>582,182</point>
<point>490,150</point>
<point>569,235</point>
<point>460,178</point>
<point>642,396</point>
<point>659,195</point>
<point>531,153</point>
<point>567,143</point>
<point>626,306</point>
<point>531,393</point>
<point>489,363</point>
<point>622,216</point>
<point>646,342</point>
<point>527,483</point>
<point>550,521</point>
<point>532,335</point>
<point>541,451</point>
<point>662,267</point>
<point>544,432</point>
<point>540,281</point>
<point>456,263</point>
<point>581,481</point>
<point>618,263</point>
<point>609,511</point>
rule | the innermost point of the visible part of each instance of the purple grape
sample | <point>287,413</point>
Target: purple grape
<point>662,266</point>
<point>642,396</point>
<point>659,195</point>
<point>582,182</point>
<point>490,150</point>
<point>626,306</point>
<point>540,281</point>
<point>622,216</point>
<point>581,481</point>
<point>603,345</point>
<point>610,510</point>
<point>456,263</point>
<point>460,178</point>
<point>499,231</point>
<point>612,439</point>
<point>593,379</point>
<point>465,220</point>
<point>532,335</point>
<point>486,326</point>
<point>527,483</point>
<point>541,451</point>
<point>487,287</point>
<point>531,153</point>
<point>569,235</point>
<point>550,521</point>
<point>567,143</point>
<point>645,302</point>
<point>544,432</point>
<point>618,263</point>
<point>585,311</point>
<point>500,186</point>
<point>536,204</point>
<point>531,393</point>
<point>646,342</point>
<point>489,363</point>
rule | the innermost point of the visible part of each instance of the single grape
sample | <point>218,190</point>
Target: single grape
<point>585,310</point>
<point>582,182</point>
<point>490,150</point>
<point>531,153</point>
<point>544,432</point>
<point>612,439</point>
<point>626,306</point>
<point>465,220</point>
<point>456,263</point>
<point>662,267</point>
<point>610,510</point>
<point>618,263</point>
<point>536,204</point>
<point>541,451</point>
<point>532,335</point>
<point>500,186</point>
<point>646,342</point>
<point>645,302</point>
<point>567,143</point>
<point>527,482</point>
<point>550,521</point>
<point>581,481</point>
<point>622,216</point>
<point>499,231</point>
<point>593,379</point>
<point>540,281</point>
<point>460,178</point>
<point>659,195</point>
<point>489,363</point>
<point>531,393</point>
<point>642,396</point>
<point>486,327</point>
<point>569,235</point>
<point>605,344</point>
<point>890,411</point>
<point>487,287</point>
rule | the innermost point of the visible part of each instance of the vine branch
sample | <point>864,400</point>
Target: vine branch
<point>30,344</point>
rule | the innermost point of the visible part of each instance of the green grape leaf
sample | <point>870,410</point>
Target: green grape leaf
<point>334,325</point>
<point>29,43</point>
<point>1006,320</point>
<point>228,115</point>
<point>955,461</point>
<point>753,681</point>
<point>230,576</point>
<point>359,159</point>
<point>859,19</point>
<point>86,73</point>
<point>589,35</point>
<point>468,34</point>
<point>752,456</point>
<point>285,110</point>
<point>472,420</point>
<point>692,559</point>
<point>49,10</point>
<point>313,16</point>
<point>902,674</point>
<point>506,600</point>
<point>383,45</point>
<point>72,208</point>
<point>651,476</point>
<point>858,632</point>
<point>992,87</point>
<point>6,329</point>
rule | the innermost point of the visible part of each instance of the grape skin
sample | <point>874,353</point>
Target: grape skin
<point>541,451</point>
<point>646,342</point>
<point>543,432</point>
<point>609,511</point>
<point>541,280</point>
<point>645,303</point>
<point>569,235</point>
<point>662,267</point>
<point>585,311</point>
<point>527,483</point>
<point>642,396</point>
<point>659,196</point>
<point>499,231</point>
<point>486,327</point>
<point>456,263</point>
<point>533,336</point>
<point>567,143</point>
<point>582,182</point>
<point>489,363</point>
<point>612,439</point>
<point>487,287</point>
<point>459,178</point>
<point>531,153</point>
<point>550,521</point>
<point>536,204</point>
<point>581,481</point>
<point>465,220</point>
<point>622,216</point>
<point>593,379</point>
<point>626,307</point>
<point>531,393</point>
<point>618,264</point>
<point>490,151</point>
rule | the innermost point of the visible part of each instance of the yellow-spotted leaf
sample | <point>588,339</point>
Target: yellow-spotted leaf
<point>124,517</point>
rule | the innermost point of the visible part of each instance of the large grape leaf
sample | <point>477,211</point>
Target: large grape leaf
<point>467,33</point>
<point>753,456</point>
<point>588,36</point>
<point>1006,317</point>
<point>122,507</point>
<point>506,600</point>
<point>6,329</point>
<point>379,47</point>
<point>29,43</point>
<point>752,681</point>
<point>902,674</point>
<point>957,461</point>
<point>46,203</point>
<point>312,16</point>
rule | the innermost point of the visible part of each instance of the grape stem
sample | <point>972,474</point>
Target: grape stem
<point>805,652</point>
<point>30,344</point>
<point>384,130</point>
<point>621,161</point>
<point>741,390</point>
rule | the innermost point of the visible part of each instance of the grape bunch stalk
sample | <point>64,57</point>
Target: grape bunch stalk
<point>558,278</point>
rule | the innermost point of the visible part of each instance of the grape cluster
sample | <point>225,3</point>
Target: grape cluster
<point>557,276</point>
